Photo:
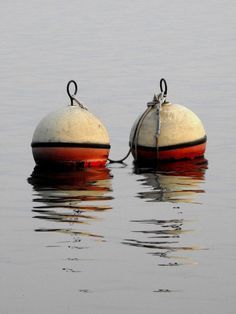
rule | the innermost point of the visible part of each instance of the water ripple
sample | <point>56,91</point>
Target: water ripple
<point>164,240</point>
<point>169,182</point>
<point>175,182</point>
<point>71,197</point>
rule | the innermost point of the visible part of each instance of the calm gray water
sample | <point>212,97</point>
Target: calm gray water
<point>119,239</point>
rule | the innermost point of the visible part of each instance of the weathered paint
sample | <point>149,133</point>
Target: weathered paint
<point>179,126</point>
<point>71,135</point>
<point>189,152</point>
<point>71,124</point>
<point>67,155</point>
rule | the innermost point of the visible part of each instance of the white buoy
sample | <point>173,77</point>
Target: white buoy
<point>71,136</point>
<point>167,131</point>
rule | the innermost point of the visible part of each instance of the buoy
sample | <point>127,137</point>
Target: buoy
<point>71,136</point>
<point>167,131</point>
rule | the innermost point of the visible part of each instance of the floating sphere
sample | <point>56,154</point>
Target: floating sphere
<point>71,136</point>
<point>167,132</point>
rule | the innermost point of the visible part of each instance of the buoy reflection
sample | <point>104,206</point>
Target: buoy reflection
<point>165,234</point>
<point>163,239</point>
<point>70,197</point>
<point>173,181</point>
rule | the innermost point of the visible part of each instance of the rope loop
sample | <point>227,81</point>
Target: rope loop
<point>72,96</point>
<point>68,91</point>
<point>163,81</point>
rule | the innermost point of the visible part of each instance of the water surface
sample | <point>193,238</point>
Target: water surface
<point>122,239</point>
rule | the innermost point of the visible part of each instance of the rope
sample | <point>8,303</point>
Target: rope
<point>137,130</point>
<point>79,103</point>
<point>157,101</point>
<point>135,137</point>
<point>120,161</point>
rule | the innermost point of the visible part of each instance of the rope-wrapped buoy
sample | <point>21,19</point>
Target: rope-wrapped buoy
<point>167,131</point>
<point>71,136</point>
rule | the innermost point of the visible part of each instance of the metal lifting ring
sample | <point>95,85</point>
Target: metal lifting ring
<point>163,81</point>
<point>68,90</point>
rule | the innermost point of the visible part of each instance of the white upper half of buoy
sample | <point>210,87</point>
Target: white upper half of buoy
<point>71,124</point>
<point>178,125</point>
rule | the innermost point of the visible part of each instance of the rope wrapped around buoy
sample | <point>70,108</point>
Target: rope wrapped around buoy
<point>165,132</point>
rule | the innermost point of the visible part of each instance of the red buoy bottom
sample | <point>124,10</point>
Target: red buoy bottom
<point>79,156</point>
<point>165,153</point>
